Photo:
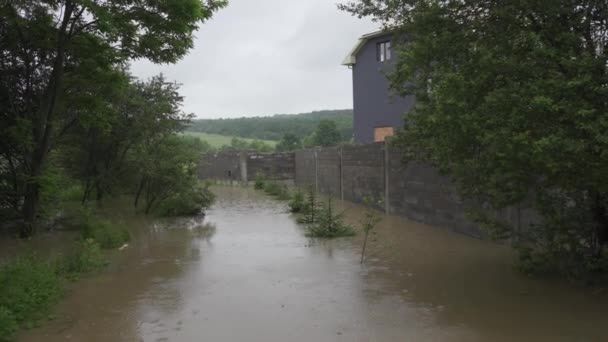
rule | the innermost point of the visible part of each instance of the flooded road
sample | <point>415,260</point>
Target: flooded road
<point>247,273</point>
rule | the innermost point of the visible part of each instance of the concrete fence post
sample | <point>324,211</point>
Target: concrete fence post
<point>386,180</point>
<point>341,174</point>
<point>316,170</point>
<point>243,167</point>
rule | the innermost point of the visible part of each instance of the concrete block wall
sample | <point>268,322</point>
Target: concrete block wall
<point>420,193</point>
<point>244,166</point>
<point>279,166</point>
<point>363,173</point>
<point>224,165</point>
<point>328,171</point>
<point>375,171</point>
<point>353,173</point>
<point>305,167</point>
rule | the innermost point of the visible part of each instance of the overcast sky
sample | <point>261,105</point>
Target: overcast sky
<point>263,57</point>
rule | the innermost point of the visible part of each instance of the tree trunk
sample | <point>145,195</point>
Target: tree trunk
<point>99,190</point>
<point>31,202</point>
<point>86,193</point>
<point>42,130</point>
<point>150,204</point>
<point>600,211</point>
<point>139,191</point>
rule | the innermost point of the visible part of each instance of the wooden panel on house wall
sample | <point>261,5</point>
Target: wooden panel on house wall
<point>381,133</point>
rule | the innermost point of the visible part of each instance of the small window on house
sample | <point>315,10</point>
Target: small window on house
<point>381,133</point>
<point>384,51</point>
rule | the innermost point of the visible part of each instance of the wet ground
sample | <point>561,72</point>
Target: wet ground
<point>246,272</point>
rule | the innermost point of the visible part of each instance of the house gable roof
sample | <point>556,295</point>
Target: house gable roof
<point>351,59</point>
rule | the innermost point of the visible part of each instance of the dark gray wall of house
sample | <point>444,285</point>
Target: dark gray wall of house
<point>374,104</point>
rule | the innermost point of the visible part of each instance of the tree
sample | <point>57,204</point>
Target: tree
<point>168,169</point>
<point>326,134</point>
<point>97,151</point>
<point>44,43</point>
<point>289,142</point>
<point>512,103</point>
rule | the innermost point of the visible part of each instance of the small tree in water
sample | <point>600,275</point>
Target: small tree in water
<point>329,224</point>
<point>310,207</point>
<point>369,221</point>
<point>296,203</point>
<point>259,181</point>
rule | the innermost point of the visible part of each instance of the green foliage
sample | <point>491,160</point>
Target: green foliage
<point>278,190</point>
<point>289,142</point>
<point>238,144</point>
<point>297,202</point>
<point>329,225</point>
<point>8,324</point>
<point>284,194</point>
<point>275,127</point>
<point>107,234</point>
<point>218,141</point>
<point>510,102</point>
<point>168,171</point>
<point>310,210</point>
<point>87,257</point>
<point>28,289</point>
<point>59,192</point>
<point>326,134</point>
<point>62,64</point>
<point>260,181</point>
<point>190,201</point>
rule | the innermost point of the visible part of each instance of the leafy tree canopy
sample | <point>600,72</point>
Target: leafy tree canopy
<point>326,134</point>
<point>512,102</point>
<point>55,58</point>
<point>274,127</point>
<point>289,142</point>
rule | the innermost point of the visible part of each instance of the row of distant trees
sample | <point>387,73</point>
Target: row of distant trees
<point>325,134</point>
<point>274,127</point>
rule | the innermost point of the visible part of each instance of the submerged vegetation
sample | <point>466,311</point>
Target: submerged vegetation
<point>78,129</point>
<point>296,202</point>
<point>329,224</point>
<point>320,219</point>
<point>30,286</point>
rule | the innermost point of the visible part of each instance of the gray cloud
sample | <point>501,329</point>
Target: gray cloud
<point>265,57</point>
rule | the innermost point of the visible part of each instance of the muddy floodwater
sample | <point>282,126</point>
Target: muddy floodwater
<point>246,272</point>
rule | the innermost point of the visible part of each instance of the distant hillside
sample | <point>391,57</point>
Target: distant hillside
<point>274,127</point>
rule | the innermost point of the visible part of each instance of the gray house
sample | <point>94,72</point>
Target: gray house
<point>377,112</point>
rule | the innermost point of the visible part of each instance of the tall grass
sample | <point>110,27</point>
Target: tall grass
<point>30,286</point>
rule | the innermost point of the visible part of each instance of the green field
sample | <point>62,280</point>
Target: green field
<point>217,140</point>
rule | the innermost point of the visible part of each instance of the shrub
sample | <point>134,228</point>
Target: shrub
<point>260,182</point>
<point>28,288</point>
<point>296,204</point>
<point>310,208</point>
<point>272,188</point>
<point>87,258</point>
<point>8,324</point>
<point>192,201</point>
<point>329,224</point>
<point>283,193</point>
<point>107,234</point>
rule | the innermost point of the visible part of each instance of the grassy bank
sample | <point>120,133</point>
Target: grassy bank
<point>217,141</point>
<point>31,284</point>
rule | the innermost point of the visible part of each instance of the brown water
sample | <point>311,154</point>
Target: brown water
<point>247,273</point>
